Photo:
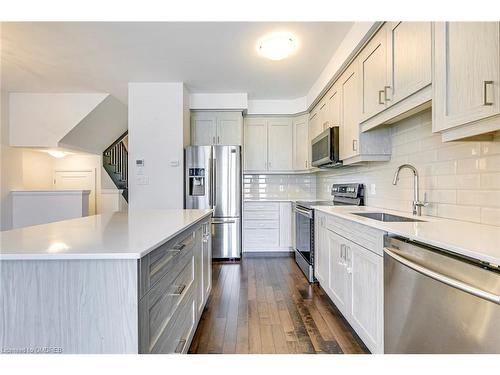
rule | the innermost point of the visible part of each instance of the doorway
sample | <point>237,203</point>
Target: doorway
<point>77,180</point>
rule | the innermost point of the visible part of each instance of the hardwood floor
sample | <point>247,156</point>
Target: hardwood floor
<point>266,305</point>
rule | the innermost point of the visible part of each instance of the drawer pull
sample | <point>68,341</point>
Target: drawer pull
<point>179,290</point>
<point>485,92</point>
<point>180,346</point>
<point>178,247</point>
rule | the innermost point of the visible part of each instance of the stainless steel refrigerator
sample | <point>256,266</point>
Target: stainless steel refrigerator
<point>213,180</point>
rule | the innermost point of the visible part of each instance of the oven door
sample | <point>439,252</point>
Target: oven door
<point>304,232</point>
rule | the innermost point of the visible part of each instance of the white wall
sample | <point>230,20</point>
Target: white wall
<point>43,119</point>
<point>38,170</point>
<point>216,101</point>
<point>157,124</point>
<point>11,166</point>
<point>99,129</point>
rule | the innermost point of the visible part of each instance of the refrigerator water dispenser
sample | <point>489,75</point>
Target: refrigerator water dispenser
<point>196,181</point>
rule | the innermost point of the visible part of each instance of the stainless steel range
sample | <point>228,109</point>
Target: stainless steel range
<point>343,194</point>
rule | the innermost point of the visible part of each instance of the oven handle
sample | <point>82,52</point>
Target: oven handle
<point>454,283</point>
<point>301,211</point>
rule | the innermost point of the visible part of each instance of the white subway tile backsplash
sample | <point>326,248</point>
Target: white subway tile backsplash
<point>456,212</point>
<point>490,216</point>
<point>274,186</point>
<point>461,179</point>
<point>490,181</point>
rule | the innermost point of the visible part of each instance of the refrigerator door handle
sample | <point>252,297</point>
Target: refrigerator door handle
<point>214,182</point>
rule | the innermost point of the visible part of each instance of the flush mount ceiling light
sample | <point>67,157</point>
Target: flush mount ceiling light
<point>56,153</point>
<point>277,46</point>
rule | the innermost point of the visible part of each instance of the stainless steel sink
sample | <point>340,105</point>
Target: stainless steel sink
<point>381,216</point>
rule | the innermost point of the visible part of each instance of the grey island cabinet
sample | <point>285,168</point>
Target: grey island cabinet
<point>133,282</point>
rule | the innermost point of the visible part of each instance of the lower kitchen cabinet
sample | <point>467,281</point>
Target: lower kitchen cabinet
<point>175,281</point>
<point>352,276</point>
<point>267,226</point>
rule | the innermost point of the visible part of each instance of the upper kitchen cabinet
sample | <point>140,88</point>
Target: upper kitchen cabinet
<point>268,144</point>
<point>373,75</point>
<point>301,158</point>
<point>396,73</point>
<point>280,145</point>
<point>255,147</point>
<point>355,146</point>
<point>333,103</point>
<point>315,121</point>
<point>466,95</point>
<point>216,128</point>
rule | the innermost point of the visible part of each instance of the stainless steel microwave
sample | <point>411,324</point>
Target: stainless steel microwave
<point>325,149</point>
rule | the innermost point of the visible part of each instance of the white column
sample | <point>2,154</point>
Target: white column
<point>158,123</point>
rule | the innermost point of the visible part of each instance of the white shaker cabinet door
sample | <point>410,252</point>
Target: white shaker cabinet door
<point>229,128</point>
<point>466,72</point>
<point>280,145</point>
<point>255,148</point>
<point>337,287</point>
<point>349,112</point>
<point>409,56</point>
<point>321,252</point>
<point>373,75</point>
<point>365,275</point>
<point>203,129</point>
<point>300,144</point>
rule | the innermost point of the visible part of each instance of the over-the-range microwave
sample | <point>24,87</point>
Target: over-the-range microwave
<point>325,149</point>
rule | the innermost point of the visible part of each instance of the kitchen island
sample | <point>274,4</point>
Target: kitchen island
<point>125,282</point>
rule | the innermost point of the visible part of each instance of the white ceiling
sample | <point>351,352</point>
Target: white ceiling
<point>207,57</point>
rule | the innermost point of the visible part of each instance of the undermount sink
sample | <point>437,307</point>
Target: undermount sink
<point>381,216</point>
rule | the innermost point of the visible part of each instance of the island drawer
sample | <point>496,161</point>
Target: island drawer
<point>161,303</point>
<point>169,258</point>
<point>175,336</point>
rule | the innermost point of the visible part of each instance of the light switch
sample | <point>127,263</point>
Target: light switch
<point>373,189</point>
<point>174,163</point>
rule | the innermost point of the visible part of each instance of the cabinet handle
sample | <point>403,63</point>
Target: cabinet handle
<point>180,346</point>
<point>178,247</point>
<point>380,101</point>
<point>386,97</point>
<point>178,291</point>
<point>485,92</point>
<point>218,140</point>
<point>213,139</point>
<point>354,145</point>
<point>342,252</point>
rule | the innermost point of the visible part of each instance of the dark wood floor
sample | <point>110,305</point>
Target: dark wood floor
<point>265,305</point>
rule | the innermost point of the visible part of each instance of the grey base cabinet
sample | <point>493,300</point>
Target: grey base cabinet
<point>147,305</point>
<point>175,284</point>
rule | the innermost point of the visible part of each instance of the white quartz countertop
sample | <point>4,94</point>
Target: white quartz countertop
<point>477,241</point>
<point>279,200</point>
<point>119,235</point>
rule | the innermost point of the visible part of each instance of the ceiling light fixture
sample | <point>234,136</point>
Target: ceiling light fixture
<point>56,153</point>
<point>277,46</point>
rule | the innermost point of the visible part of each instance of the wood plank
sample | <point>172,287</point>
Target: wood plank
<point>266,305</point>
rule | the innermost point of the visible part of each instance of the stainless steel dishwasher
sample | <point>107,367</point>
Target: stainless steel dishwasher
<point>437,302</point>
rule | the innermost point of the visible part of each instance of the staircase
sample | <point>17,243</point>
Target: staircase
<point>115,162</point>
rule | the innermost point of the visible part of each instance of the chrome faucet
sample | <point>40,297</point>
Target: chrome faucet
<point>417,204</point>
